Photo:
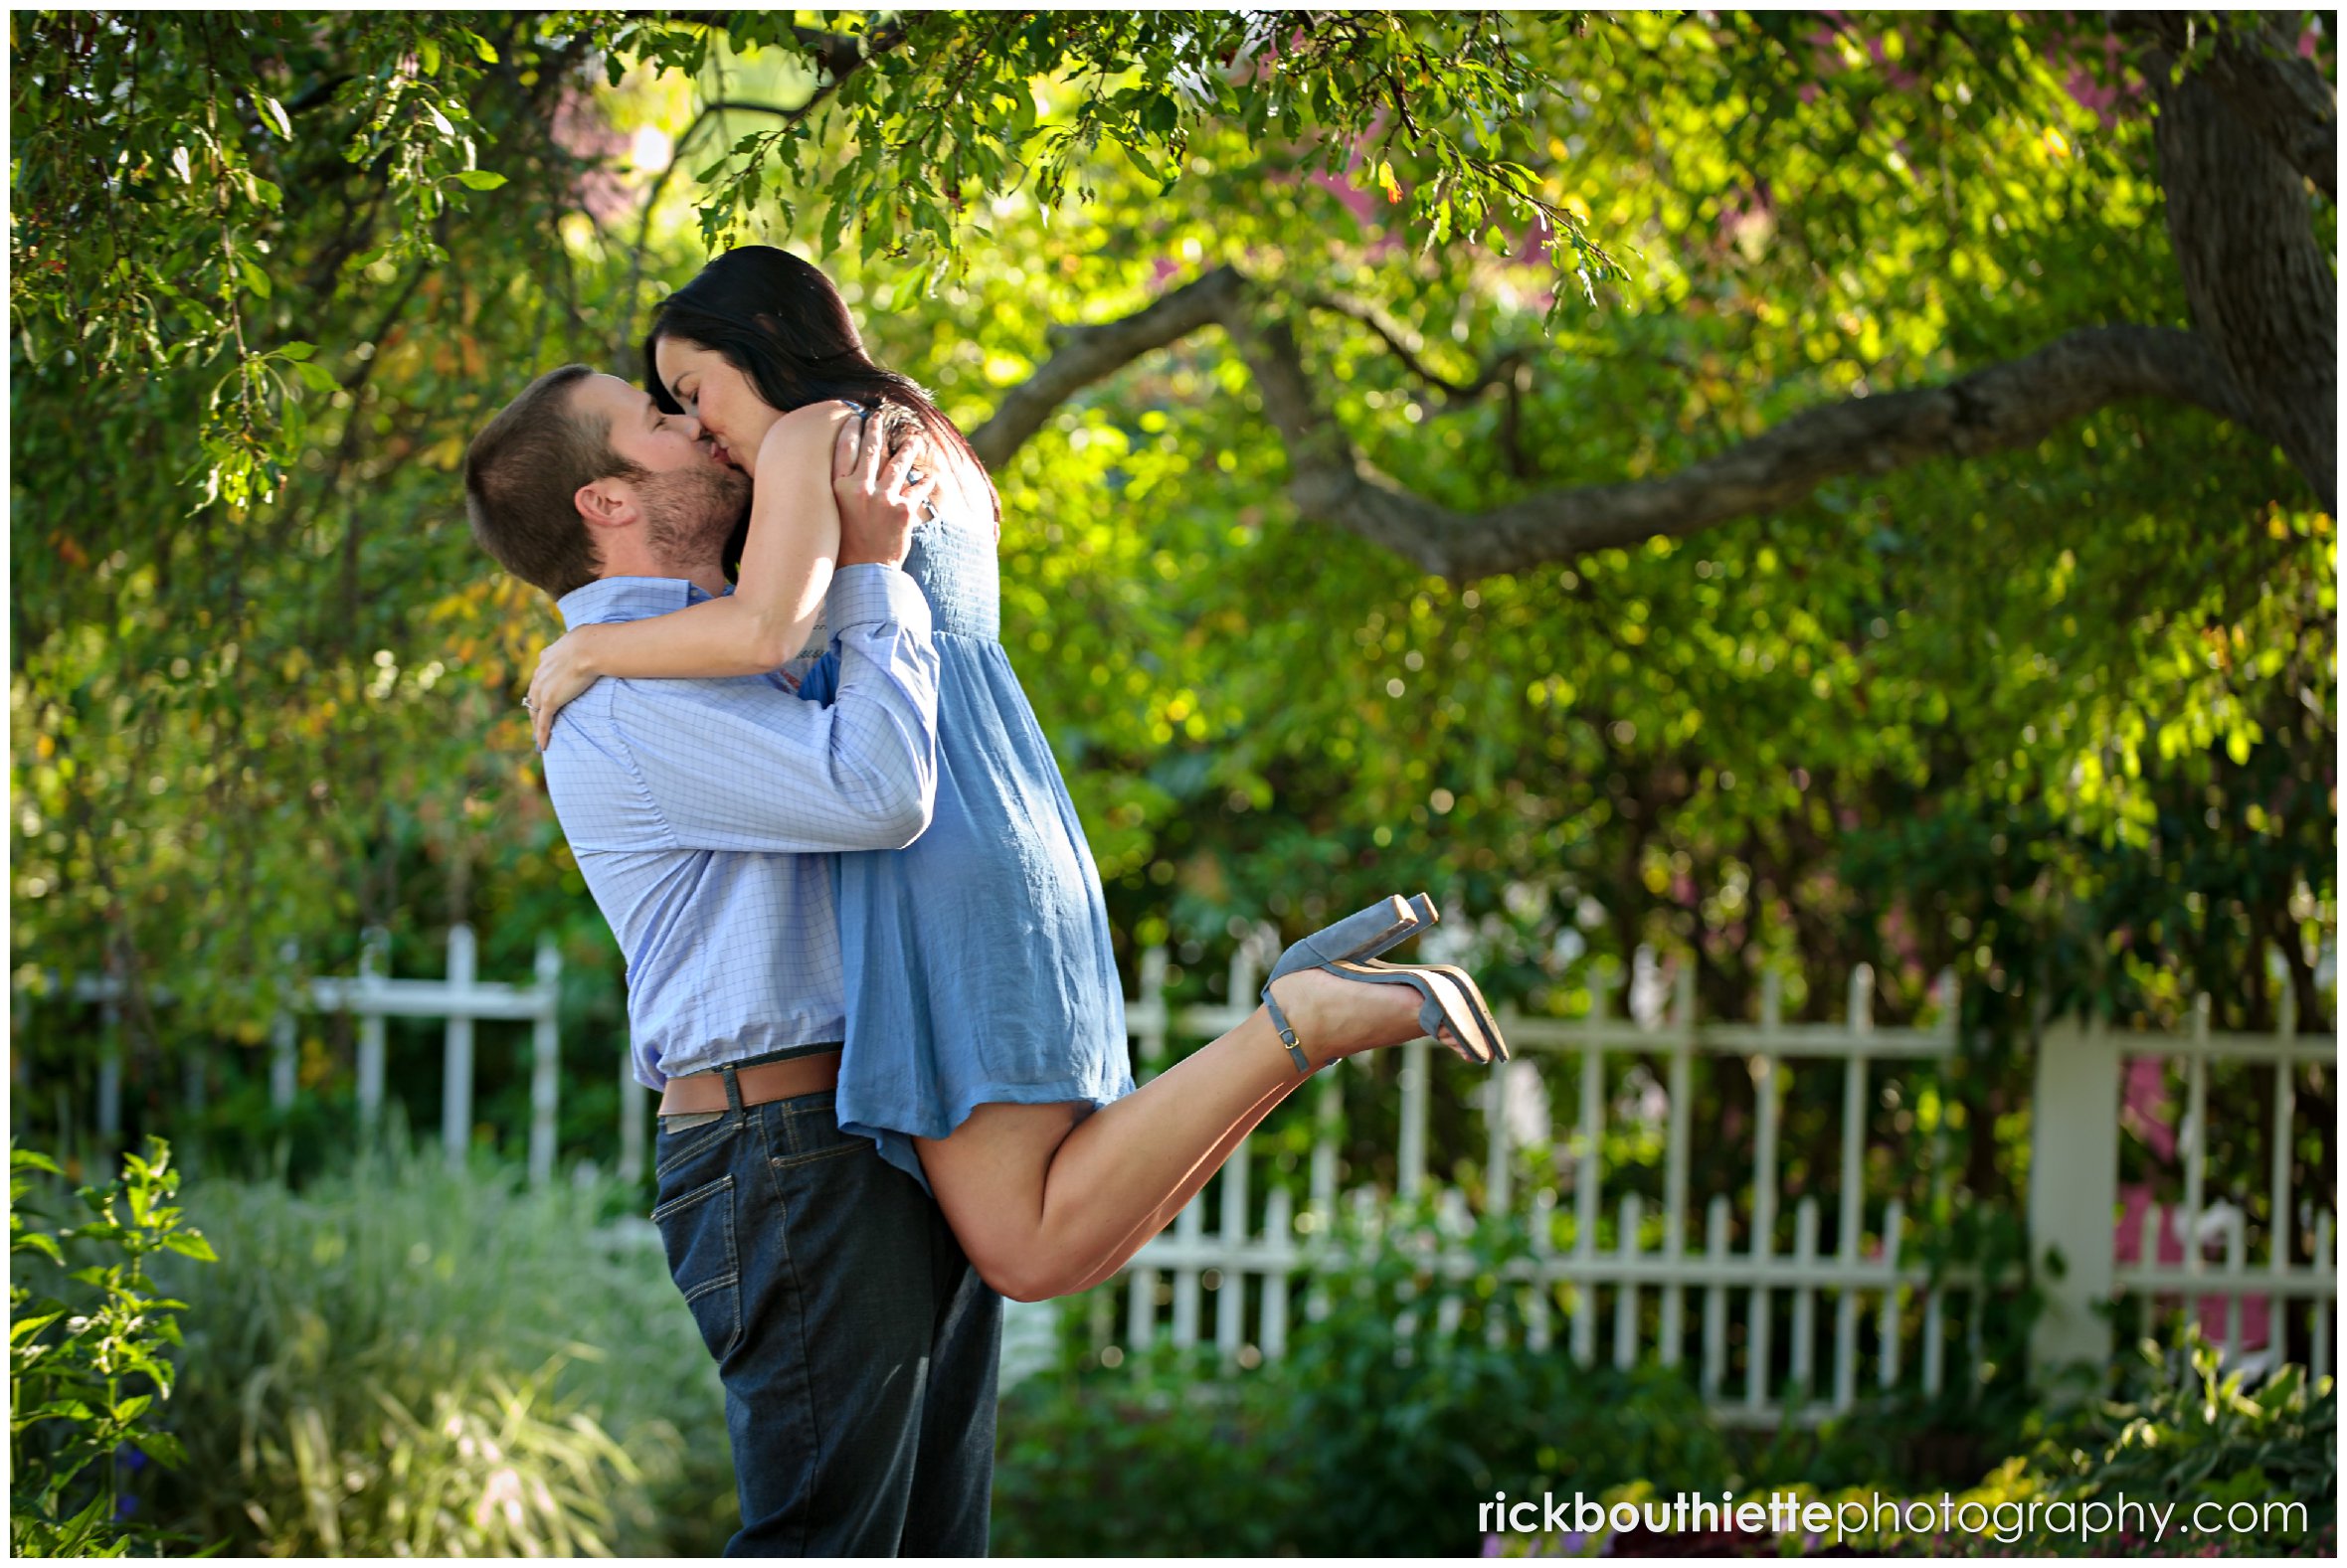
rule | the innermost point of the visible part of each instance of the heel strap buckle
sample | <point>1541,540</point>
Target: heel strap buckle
<point>1279,1021</point>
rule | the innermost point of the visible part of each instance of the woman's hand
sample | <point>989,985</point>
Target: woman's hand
<point>879,489</point>
<point>565,668</point>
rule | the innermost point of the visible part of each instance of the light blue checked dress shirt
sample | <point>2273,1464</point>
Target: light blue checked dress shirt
<point>704,814</point>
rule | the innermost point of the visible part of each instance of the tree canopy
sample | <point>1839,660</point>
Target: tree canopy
<point>1788,489</point>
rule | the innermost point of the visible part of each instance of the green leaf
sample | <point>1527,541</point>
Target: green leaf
<point>60,1410</point>
<point>40,1242</point>
<point>89,1518</point>
<point>24,1328</point>
<point>192,1243</point>
<point>163,1447</point>
<point>479,180</point>
<point>296,351</point>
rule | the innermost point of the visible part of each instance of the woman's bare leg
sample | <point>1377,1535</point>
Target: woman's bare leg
<point>1166,1212</point>
<point>1046,1204</point>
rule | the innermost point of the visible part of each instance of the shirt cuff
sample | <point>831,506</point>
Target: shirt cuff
<point>869,592</point>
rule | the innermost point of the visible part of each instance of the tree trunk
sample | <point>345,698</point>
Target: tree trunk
<point>2262,291</point>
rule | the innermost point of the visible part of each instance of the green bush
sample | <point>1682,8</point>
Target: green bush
<point>1163,1456</point>
<point>86,1369</point>
<point>2181,1435</point>
<point>1374,1436</point>
<point>1401,1429</point>
<point>407,1362</point>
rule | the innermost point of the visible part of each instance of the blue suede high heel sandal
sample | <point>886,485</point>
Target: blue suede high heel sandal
<point>1346,949</point>
<point>1423,907</point>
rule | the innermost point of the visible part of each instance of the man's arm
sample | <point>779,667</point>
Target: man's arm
<point>743,765</point>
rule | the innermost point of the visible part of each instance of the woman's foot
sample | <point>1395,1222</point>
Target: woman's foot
<point>1332,1017</point>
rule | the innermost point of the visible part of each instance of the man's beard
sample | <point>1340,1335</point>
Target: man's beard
<point>688,513</point>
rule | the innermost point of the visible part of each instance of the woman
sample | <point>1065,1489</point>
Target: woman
<point>985,1049</point>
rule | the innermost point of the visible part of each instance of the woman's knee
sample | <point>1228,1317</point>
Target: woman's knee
<point>990,1178</point>
<point>1013,1262</point>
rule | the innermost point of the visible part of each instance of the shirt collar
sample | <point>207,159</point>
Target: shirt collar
<point>610,598</point>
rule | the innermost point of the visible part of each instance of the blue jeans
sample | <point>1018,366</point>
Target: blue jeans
<point>856,1343</point>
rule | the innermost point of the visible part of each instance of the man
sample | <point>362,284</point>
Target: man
<point>856,1344</point>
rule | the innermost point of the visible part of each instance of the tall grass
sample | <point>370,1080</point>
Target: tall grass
<point>398,1361</point>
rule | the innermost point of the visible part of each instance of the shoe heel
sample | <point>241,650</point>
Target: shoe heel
<point>1360,935</point>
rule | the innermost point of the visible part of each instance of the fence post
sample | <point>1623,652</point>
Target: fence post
<point>2286,1110</point>
<point>1496,1164</point>
<point>284,1041</point>
<point>1676,1155</point>
<point>1150,1005</point>
<point>545,1062</point>
<point>371,945</point>
<point>193,1067</point>
<point>1854,1144</point>
<point>110,1069</point>
<point>1588,1143</point>
<point>1410,1160</point>
<point>457,1082</point>
<point>630,1113</point>
<point>2072,1191</point>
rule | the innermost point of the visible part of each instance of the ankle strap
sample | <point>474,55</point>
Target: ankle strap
<point>1279,1021</point>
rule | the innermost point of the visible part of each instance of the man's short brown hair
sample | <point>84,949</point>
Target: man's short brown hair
<point>522,477</point>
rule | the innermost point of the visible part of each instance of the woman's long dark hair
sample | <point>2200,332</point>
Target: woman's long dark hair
<point>778,320</point>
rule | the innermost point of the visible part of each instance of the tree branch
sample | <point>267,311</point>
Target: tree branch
<point>1083,354</point>
<point>841,55</point>
<point>712,112</point>
<point>2017,403</point>
<point>2014,403</point>
<point>1510,369</point>
<point>1497,371</point>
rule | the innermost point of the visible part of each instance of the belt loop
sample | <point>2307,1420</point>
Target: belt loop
<point>733,1089</point>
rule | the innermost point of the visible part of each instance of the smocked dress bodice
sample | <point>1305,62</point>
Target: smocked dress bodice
<point>979,962</point>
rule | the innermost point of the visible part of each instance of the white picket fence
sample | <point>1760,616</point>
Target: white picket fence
<point>1265,1256</point>
<point>460,1000</point>
<point>2074,1190</point>
<point>1261,1255</point>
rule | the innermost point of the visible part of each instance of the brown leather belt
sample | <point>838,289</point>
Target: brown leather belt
<point>759,1084</point>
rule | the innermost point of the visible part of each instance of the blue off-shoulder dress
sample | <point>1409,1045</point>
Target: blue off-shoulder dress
<point>977,960</point>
